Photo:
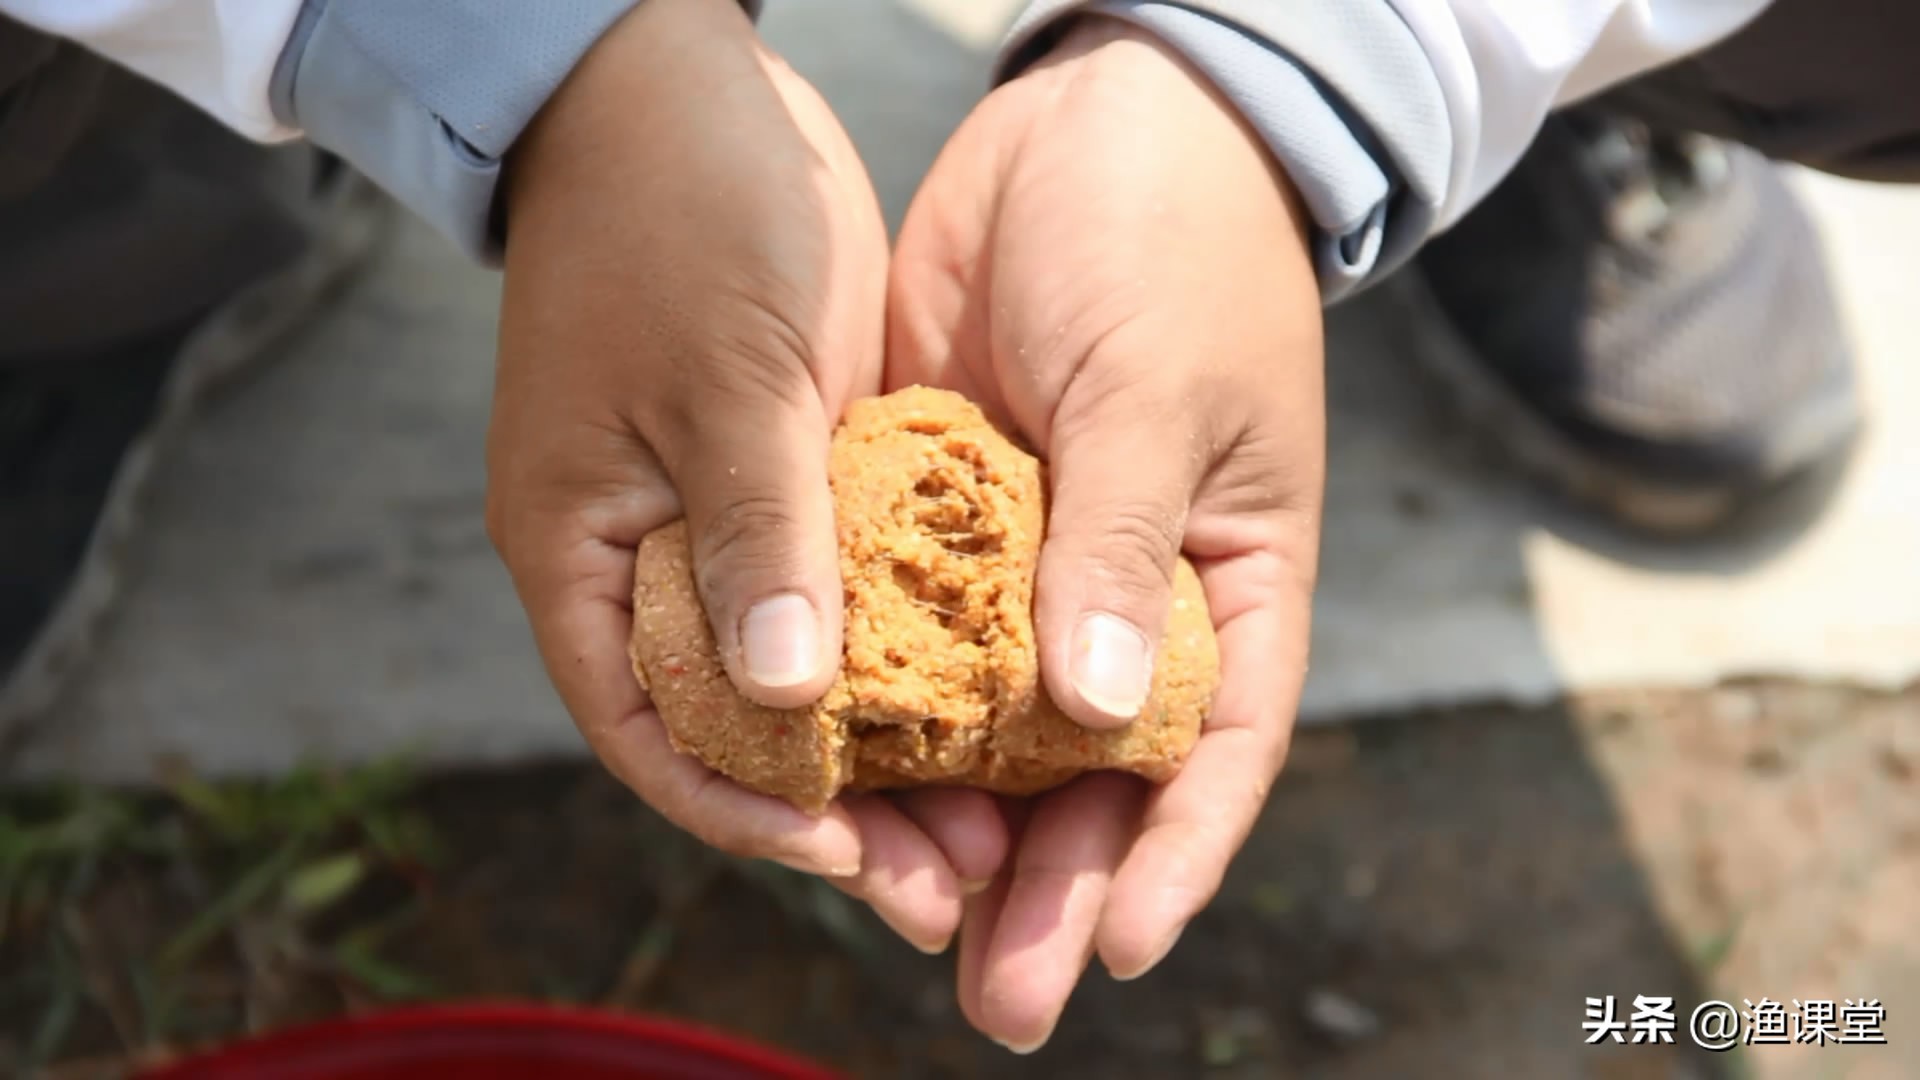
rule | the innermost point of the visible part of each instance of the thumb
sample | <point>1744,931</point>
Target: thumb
<point>750,464</point>
<point>1124,467</point>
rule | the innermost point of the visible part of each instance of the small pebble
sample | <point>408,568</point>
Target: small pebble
<point>1339,1017</point>
<point>1362,881</point>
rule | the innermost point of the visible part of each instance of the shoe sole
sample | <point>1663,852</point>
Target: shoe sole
<point>1823,435</point>
<point>346,231</point>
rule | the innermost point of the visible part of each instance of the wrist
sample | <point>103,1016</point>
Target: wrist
<point>1143,75</point>
<point>629,96</point>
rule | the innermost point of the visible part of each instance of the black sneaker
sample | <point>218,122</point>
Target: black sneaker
<point>1645,320</point>
<point>81,431</point>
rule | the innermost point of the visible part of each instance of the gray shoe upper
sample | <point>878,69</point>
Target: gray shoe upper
<point>1658,303</point>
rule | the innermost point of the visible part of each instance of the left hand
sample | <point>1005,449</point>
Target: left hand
<point>1109,262</point>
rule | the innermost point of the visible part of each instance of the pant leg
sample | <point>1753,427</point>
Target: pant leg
<point>124,210</point>
<point>47,93</point>
<point>1833,84</point>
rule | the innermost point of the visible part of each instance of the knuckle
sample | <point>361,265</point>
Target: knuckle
<point>744,535</point>
<point>717,833</point>
<point>1110,391</point>
<point>755,368</point>
<point>689,806</point>
<point>1134,383</point>
<point>706,812</point>
<point>760,365</point>
<point>1137,547</point>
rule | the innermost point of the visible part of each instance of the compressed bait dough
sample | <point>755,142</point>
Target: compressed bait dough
<point>940,519</point>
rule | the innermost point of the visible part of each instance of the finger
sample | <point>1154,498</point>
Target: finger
<point>578,602</point>
<point>745,444</point>
<point>720,812</point>
<point>981,913</point>
<point>1043,936</point>
<point>1195,824</point>
<point>1126,458</point>
<point>904,876</point>
<point>967,826</point>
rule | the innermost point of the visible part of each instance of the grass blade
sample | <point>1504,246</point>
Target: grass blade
<point>249,890</point>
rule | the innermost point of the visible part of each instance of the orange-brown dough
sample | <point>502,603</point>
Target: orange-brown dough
<point>940,519</point>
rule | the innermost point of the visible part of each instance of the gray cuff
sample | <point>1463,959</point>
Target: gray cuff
<point>1339,90</point>
<point>427,96</point>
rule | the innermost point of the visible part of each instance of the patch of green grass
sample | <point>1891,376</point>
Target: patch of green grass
<point>260,872</point>
<point>1712,951</point>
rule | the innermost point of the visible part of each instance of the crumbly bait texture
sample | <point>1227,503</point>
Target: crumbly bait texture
<point>940,519</point>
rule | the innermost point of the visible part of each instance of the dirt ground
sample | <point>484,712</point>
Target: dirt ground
<point>1428,896</point>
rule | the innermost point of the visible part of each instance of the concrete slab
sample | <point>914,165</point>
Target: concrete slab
<point>1446,580</point>
<point>317,582</point>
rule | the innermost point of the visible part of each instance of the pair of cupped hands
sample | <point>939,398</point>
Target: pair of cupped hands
<point>1106,259</point>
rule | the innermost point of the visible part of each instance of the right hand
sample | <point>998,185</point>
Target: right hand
<point>696,273</point>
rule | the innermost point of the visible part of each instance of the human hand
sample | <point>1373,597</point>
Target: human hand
<point>694,290</point>
<point>1106,259</point>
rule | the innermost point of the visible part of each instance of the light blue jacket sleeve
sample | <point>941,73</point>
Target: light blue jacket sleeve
<point>1392,116</point>
<point>1342,93</point>
<point>427,96</point>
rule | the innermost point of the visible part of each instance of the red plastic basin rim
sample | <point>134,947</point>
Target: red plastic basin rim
<point>585,1041</point>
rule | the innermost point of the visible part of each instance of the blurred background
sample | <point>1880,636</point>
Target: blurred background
<point>316,766</point>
